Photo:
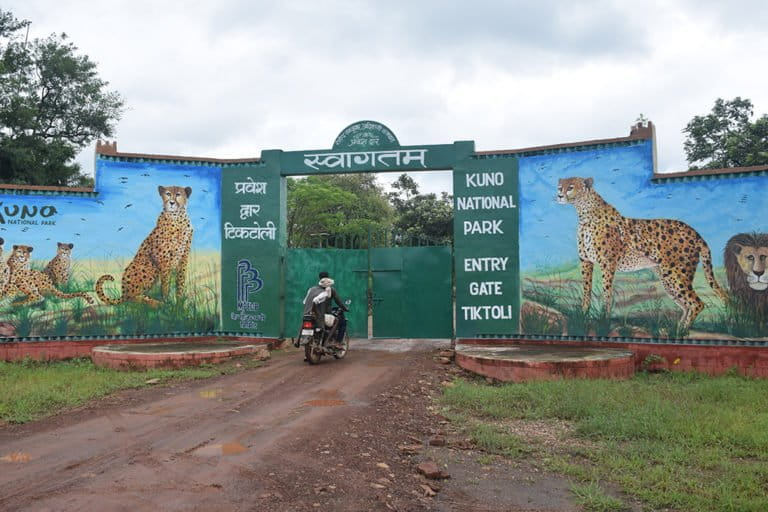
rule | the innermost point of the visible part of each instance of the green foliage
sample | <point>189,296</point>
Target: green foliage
<point>321,207</point>
<point>52,104</point>
<point>676,441</point>
<point>726,137</point>
<point>422,215</point>
<point>651,360</point>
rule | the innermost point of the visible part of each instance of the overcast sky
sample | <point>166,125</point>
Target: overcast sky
<point>228,78</point>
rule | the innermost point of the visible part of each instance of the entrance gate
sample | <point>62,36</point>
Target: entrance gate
<point>406,289</point>
<point>262,283</point>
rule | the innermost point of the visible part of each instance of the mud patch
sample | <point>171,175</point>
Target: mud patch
<point>325,402</point>
<point>213,450</point>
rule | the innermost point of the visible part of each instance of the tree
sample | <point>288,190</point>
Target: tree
<point>52,104</point>
<point>422,215</point>
<point>726,137</point>
<point>321,208</point>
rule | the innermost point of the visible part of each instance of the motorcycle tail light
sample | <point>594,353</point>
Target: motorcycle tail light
<point>307,325</point>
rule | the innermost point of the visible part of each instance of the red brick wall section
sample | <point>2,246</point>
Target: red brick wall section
<point>56,350</point>
<point>522,371</point>
<point>127,361</point>
<point>708,359</point>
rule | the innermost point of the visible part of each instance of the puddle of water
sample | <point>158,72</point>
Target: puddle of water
<point>325,403</point>
<point>210,393</point>
<point>221,449</point>
<point>232,448</point>
<point>16,457</point>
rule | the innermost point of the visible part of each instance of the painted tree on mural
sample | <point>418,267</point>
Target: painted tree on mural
<point>52,104</point>
<point>726,137</point>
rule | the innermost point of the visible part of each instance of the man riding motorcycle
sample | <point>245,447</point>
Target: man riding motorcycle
<point>317,302</point>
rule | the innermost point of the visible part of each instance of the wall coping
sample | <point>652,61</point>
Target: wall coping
<point>704,174</point>
<point>108,150</point>
<point>638,132</point>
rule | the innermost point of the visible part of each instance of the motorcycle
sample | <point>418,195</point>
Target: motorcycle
<point>320,341</point>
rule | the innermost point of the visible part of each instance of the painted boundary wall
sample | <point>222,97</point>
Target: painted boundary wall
<point>516,263</point>
<point>661,230</point>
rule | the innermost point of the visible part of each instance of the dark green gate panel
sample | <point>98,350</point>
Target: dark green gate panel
<point>412,292</point>
<point>348,267</point>
<point>428,302</point>
<point>388,308</point>
<point>387,300</point>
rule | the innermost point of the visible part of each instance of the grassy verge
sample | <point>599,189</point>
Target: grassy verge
<point>673,441</point>
<point>31,389</point>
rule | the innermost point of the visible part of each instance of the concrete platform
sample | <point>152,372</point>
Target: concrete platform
<point>519,363</point>
<point>170,355</point>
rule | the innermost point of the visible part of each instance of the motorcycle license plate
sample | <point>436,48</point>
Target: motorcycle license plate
<point>307,332</point>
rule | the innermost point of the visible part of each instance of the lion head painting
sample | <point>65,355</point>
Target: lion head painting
<point>746,258</point>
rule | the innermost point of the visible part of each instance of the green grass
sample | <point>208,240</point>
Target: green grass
<point>31,389</point>
<point>592,497</point>
<point>677,441</point>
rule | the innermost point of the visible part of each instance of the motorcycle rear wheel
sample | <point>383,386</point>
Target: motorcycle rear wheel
<point>311,354</point>
<point>339,354</point>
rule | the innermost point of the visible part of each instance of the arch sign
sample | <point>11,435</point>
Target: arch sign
<point>485,231</point>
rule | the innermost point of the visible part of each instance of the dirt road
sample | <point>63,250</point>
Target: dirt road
<point>286,436</point>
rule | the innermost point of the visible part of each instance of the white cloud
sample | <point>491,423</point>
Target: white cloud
<point>230,78</point>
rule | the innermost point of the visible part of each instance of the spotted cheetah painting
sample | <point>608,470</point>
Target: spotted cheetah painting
<point>620,244</point>
<point>163,253</point>
<point>612,249</point>
<point>121,260</point>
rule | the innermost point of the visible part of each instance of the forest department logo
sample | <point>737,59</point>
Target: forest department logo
<point>248,282</point>
<point>365,135</point>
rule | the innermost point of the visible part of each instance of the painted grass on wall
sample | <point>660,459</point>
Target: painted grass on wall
<point>197,311</point>
<point>641,306</point>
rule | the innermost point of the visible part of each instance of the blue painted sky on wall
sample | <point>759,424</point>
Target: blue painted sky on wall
<point>116,222</point>
<point>717,208</point>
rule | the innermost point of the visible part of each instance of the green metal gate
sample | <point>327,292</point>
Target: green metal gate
<point>412,292</point>
<point>410,288</point>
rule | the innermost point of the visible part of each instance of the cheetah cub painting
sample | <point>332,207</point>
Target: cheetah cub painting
<point>621,244</point>
<point>59,268</point>
<point>32,283</point>
<point>163,252</point>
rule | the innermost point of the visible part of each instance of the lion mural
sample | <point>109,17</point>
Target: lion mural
<point>745,258</point>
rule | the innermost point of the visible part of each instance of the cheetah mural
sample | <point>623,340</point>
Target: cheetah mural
<point>60,267</point>
<point>163,252</point>
<point>621,244</point>
<point>32,283</point>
